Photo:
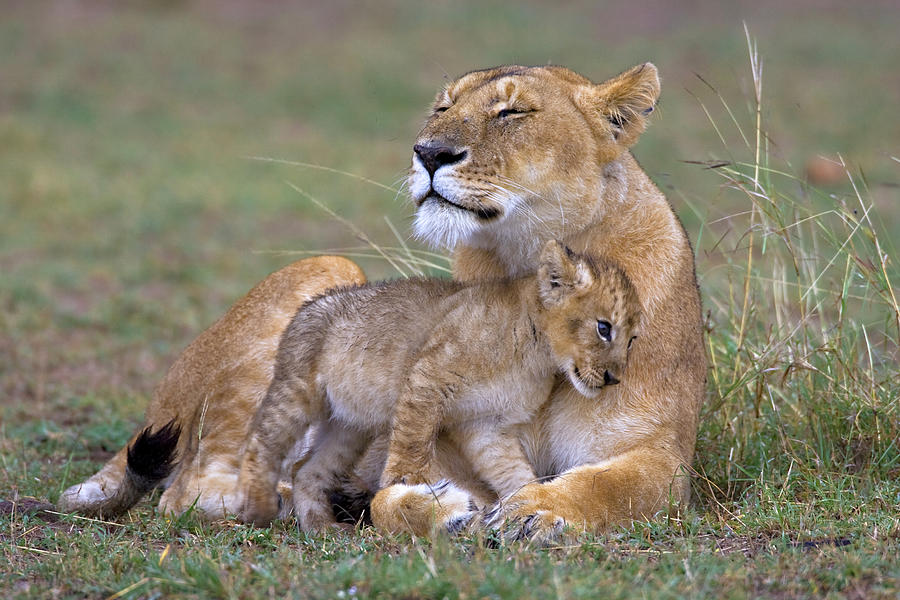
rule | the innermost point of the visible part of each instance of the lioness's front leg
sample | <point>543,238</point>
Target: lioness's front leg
<point>423,509</point>
<point>632,486</point>
<point>597,497</point>
<point>495,456</point>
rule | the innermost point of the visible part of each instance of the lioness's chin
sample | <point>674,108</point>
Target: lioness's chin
<point>444,225</point>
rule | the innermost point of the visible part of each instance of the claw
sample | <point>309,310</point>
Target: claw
<point>440,487</point>
<point>539,527</point>
<point>528,528</point>
<point>460,522</point>
<point>490,518</point>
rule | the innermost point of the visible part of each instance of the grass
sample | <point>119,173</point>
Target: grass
<point>130,218</point>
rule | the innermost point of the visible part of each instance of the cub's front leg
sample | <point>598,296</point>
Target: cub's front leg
<point>496,455</point>
<point>418,412</point>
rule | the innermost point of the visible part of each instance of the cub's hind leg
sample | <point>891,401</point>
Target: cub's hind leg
<point>334,454</point>
<point>283,417</point>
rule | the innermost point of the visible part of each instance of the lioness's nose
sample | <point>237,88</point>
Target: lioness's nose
<point>435,156</point>
<point>609,378</point>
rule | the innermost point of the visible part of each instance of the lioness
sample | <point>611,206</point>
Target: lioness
<point>510,158</point>
<point>419,356</point>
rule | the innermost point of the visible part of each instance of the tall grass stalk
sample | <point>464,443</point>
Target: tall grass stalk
<point>804,360</point>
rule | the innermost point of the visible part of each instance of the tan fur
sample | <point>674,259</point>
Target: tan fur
<point>510,158</point>
<point>563,172</point>
<point>420,356</point>
<point>213,389</point>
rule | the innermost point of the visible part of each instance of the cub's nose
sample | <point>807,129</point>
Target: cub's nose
<point>609,379</point>
<point>435,156</point>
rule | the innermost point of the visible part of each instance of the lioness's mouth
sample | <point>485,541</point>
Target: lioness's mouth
<point>483,213</point>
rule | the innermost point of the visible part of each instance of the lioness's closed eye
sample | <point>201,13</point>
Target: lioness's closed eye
<point>477,360</point>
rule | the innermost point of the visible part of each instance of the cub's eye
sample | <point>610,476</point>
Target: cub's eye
<point>631,341</point>
<point>604,330</point>
<point>441,109</point>
<point>508,112</point>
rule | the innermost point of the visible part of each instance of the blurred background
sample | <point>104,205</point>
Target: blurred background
<point>131,215</point>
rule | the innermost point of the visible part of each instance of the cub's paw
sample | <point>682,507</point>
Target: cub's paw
<point>285,499</point>
<point>260,508</point>
<point>316,521</point>
<point>422,509</point>
<point>314,514</point>
<point>399,474</point>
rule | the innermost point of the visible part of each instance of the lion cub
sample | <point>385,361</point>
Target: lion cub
<point>424,355</point>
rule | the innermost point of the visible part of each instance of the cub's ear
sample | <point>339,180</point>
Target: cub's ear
<point>622,104</point>
<point>561,272</point>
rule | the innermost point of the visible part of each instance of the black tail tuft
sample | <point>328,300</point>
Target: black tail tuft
<point>152,456</point>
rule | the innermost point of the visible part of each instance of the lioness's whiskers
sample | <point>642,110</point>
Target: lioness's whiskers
<point>517,206</point>
<point>518,185</point>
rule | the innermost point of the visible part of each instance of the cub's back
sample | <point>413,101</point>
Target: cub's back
<point>369,336</point>
<point>385,318</point>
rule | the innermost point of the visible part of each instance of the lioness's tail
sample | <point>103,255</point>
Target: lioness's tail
<point>150,459</point>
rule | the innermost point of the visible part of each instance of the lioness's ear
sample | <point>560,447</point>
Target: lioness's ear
<point>623,102</point>
<point>560,273</point>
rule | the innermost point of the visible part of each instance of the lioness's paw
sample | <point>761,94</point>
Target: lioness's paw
<point>462,522</point>
<point>521,517</point>
<point>539,528</point>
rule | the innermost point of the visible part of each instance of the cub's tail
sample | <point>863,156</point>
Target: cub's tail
<point>150,459</point>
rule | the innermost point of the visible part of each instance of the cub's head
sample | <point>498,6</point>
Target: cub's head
<point>591,316</point>
<point>522,149</point>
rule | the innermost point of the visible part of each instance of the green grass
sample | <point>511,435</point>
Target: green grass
<point>131,218</point>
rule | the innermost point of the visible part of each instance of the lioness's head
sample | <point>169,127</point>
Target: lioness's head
<point>591,316</point>
<point>514,148</point>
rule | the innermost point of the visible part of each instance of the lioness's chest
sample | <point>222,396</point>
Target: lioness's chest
<point>509,398</point>
<point>572,430</point>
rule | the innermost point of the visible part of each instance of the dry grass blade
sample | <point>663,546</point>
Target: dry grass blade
<point>327,169</point>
